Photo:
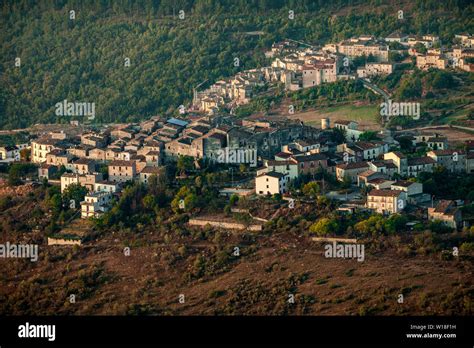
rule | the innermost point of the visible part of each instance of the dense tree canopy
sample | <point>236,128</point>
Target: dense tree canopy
<point>84,59</point>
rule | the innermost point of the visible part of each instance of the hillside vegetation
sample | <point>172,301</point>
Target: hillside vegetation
<point>83,59</point>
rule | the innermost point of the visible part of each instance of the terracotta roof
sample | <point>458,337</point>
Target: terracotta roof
<point>121,163</point>
<point>46,166</point>
<point>283,155</point>
<point>273,174</point>
<point>445,207</point>
<point>152,153</point>
<point>403,183</point>
<point>84,161</point>
<point>366,145</point>
<point>218,136</point>
<point>379,163</point>
<point>46,141</point>
<point>387,164</point>
<point>153,143</point>
<point>57,152</point>
<point>281,163</point>
<point>420,160</point>
<point>151,170</point>
<point>200,129</point>
<point>346,122</point>
<point>352,165</point>
<point>367,173</point>
<point>447,152</point>
<point>385,193</point>
<point>377,181</point>
<point>437,139</point>
<point>312,157</point>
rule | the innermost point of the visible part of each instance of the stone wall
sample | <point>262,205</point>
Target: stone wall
<point>223,224</point>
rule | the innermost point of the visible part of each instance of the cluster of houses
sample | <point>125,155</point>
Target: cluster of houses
<point>297,68</point>
<point>377,166</point>
<point>459,56</point>
<point>124,152</point>
<point>11,153</point>
<point>131,152</point>
<point>284,150</point>
<point>103,160</point>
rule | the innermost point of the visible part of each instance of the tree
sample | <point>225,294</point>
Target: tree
<point>311,189</point>
<point>371,58</point>
<point>74,192</point>
<point>25,155</point>
<point>372,226</point>
<point>395,223</point>
<point>359,61</point>
<point>55,203</point>
<point>470,116</point>
<point>104,170</point>
<point>338,135</point>
<point>324,227</point>
<point>198,182</point>
<point>405,144</point>
<point>185,200</point>
<point>368,136</point>
<point>441,80</point>
<point>14,177</point>
<point>396,46</point>
<point>234,199</point>
<point>19,170</point>
<point>149,202</point>
<point>420,48</point>
<point>410,88</point>
<point>199,266</point>
<point>185,163</point>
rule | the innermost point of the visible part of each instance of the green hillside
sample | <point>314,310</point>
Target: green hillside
<point>83,59</point>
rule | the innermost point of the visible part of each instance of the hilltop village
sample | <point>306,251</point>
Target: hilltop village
<point>298,66</point>
<point>237,158</point>
<point>273,156</point>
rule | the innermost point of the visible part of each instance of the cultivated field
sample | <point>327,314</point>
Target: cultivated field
<point>365,115</point>
<point>455,135</point>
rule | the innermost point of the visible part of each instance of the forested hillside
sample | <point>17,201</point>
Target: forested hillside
<point>83,59</point>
